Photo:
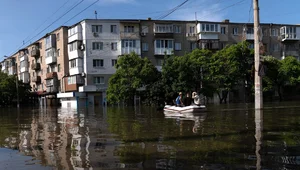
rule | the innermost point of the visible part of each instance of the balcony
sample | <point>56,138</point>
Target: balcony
<point>36,66</point>
<point>130,35</point>
<point>24,77</point>
<point>52,89</point>
<point>51,75</point>
<point>36,79</point>
<point>128,50</point>
<point>75,37</point>
<point>191,36</point>
<point>51,56</point>
<point>249,36</point>
<point>291,53</point>
<point>51,60</point>
<point>35,52</point>
<point>290,33</point>
<point>164,51</point>
<point>23,69</point>
<point>23,58</point>
<point>75,54</point>
<point>208,31</point>
<point>76,70</point>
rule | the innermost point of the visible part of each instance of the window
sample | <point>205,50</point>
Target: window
<point>57,37</point>
<point>250,30</point>
<point>73,46</point>
<point>97,45</point>
<point>193,45</point>
<point>145,29</point>
<point>97,28</point>
<point>209,27</point>
<point>73,63</point>
<point>274,32</point>
<point>222,45</point>
<point>128,29</point>
<point>72,31</point>
<point>113,62</point>
<point>72,80</point>
<point>58,52</point>
<point>40,45</point>
<point>98,80</point>
<point>235,31</point>
<point>114,46</point>
<point>58,67</point>
<point>128,43</point>
<point>177,29</point>
<point>113,29</point>
<point>41,59</point>
<point>192,29</point>
<point>97,63</point>
<point>275,47</point>
<point>178,46</point>
<point>145,46</point>
<point>163,28</point>
<point>164,43</point>
<point>223,30</point>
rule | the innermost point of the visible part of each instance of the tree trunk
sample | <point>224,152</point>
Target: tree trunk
<point>279,92</point>
<point>224,95</point>
<point>220,99</point>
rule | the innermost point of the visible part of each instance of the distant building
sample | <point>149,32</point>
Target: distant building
<point>73,64</point>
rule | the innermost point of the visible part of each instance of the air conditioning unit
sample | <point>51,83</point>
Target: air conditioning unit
<point>96,34</point>
<point>143,34</point>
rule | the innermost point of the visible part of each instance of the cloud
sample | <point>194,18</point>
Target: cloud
<point>203,12</point>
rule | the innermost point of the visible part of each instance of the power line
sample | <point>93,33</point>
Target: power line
<point>251,9</point>
<point>52,23</point>
<point>173,10</point>
<point>40,25</point>
<point>82,11</point>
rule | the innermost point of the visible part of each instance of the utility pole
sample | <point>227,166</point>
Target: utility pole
<point>258,79</point>
<point>17,87</point>
<point>96,14</point>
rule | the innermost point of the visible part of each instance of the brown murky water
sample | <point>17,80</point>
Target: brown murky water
<point>225,137</point>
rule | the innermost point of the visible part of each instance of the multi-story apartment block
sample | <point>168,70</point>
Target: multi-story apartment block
<point>75,63</point>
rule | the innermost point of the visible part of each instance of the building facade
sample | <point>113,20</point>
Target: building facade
<point>75,63</point>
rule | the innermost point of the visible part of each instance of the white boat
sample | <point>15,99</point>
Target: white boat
<point>185,109</point>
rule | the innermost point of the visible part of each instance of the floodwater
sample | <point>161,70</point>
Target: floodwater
<point>225,137</point>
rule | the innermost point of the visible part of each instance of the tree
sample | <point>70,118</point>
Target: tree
<point>184,73</point>
<point>8,91</point>
<point>229,67</point>
<point>280,73</point>
<point>132,73</point>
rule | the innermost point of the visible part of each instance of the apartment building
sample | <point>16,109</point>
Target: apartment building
<point>43,64</point>
<point>75,63</point>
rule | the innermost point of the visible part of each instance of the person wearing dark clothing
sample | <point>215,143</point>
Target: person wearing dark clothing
<point>187,100</point>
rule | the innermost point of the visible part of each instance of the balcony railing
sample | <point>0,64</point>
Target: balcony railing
<point>51,75</point>
<point>36,66</point>
<point>128,50</point>
<point>130,35</point>
<point>23,57</point>
<point>163,51</point>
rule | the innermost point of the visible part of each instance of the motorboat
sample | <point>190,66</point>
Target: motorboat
<point>185,109</point>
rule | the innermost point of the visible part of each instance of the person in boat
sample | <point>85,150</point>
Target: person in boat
<point>187,100</point>
<point>196,98</point>
<point>178,101</point>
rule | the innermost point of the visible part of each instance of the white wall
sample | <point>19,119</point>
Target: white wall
<point>72,101</point>
<point>106,54</point>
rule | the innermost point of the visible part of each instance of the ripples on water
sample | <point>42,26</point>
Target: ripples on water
<point>225,137</point>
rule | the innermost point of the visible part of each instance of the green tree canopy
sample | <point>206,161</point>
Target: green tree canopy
<point>132,74</point>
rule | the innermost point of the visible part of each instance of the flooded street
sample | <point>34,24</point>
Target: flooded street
<point>224,137</point>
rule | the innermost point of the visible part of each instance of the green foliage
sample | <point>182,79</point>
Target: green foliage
<point>280,73</point>
<point>229,67</point>
<point>8,91</point>
<point>132,73</point>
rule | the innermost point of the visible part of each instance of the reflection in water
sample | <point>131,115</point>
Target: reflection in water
<point>142,138</point>
<point>258,136</point>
